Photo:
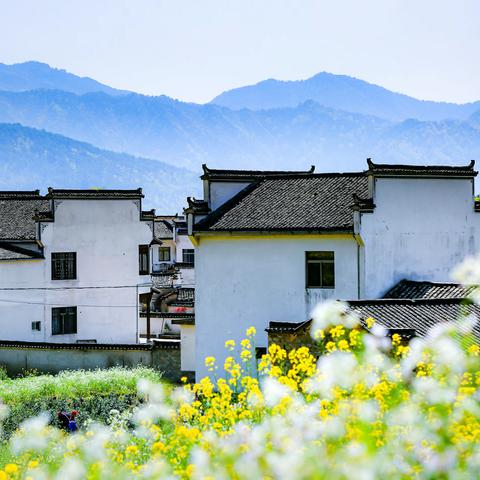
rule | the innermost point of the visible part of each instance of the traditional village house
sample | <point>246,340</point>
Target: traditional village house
<point>73,264</point>
<point>173,288</point>
<point>271,245</point>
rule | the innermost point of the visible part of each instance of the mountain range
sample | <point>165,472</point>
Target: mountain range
<point>25,76</point>
<point>31,159</point>
<point>342,93</point>
<point>332,121</point>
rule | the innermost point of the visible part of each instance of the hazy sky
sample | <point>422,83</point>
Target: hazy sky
<point>195,49</point>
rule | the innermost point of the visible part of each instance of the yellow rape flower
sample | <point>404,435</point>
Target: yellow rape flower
<point>131,450</point>
<point>251,332</point>
<point>246,355</point>
<point>474,350</point>
<point>210,363</point>
<point>370,322</point>
<point>230,344</point>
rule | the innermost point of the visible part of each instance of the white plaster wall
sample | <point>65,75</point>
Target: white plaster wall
<point>244,281</point>
<point>182,242</point>
<point>16,318</point>
<point>420,230</point>
<point>187,353</point>
<point>105,234</point>
<point>220,192</point>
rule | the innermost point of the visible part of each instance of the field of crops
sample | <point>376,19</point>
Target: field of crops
<point>371,407</point>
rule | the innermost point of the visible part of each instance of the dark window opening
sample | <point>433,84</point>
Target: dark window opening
<point>320,269</point>
<point>143,260</point>
<point>36,326</point>
<point>188,255</point>
<point>64,320</point>
<point>64,266</point>
<point>164,254</point>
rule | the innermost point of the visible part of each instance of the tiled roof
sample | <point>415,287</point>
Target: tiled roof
<point>416,314</point>
<point>379,169</point>
<point>287,327</point>
<point>7,253</point>
<point>96,194</point>
<point>220,174</point>
<point>163,229</point>
<point>17,212</point>
<point>313,202</point>
<point>413,289</point>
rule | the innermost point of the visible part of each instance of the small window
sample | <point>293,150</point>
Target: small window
<point>36,326</point>
<point>164,254</point>
<point>143,260</point>
<point>64,320</point>
<point>320,269</point>
<point>188,255</point>
<point>64,266</point>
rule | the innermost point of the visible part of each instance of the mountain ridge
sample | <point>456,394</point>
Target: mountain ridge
<point>33,158</point>
<point>188,134</point>
<point>344,93</point>
<point>34,75</point>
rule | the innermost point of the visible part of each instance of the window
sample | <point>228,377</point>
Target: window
<point>143,260</point>
<point>164,254</point>
<point>64,266</point>
<point>36,326</point>
<point>320,269</point>
<point>64,320</point>
<point>188,255</point>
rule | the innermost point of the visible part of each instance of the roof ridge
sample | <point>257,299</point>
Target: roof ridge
<point>410,301</point>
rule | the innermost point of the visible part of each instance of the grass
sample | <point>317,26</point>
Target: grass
<point>95,393</point>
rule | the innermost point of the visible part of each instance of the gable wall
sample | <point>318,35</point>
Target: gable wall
<point>420,230</point>
<point>220,192</point>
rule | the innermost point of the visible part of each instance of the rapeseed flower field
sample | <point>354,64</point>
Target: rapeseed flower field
<point>370,407</point>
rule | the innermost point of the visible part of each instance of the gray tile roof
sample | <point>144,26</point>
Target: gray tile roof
<point>416,314</point>
<point>163,229</point>
<point>96,194</point>
<point>17,211</point>
<point>321,202</point>
<point>219,174</point>
<point>7,254</point>
<point>414,289</point>
<point>379,169</point>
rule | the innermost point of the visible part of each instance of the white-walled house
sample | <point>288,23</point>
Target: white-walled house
<point>270,245</point>
<point>73,264</point>
<point>172,306</point>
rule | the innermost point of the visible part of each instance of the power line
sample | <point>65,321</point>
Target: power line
<point>73,288</point>
<point>27,302</point>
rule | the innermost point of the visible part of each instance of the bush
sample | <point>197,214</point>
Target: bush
<point>93,393</point>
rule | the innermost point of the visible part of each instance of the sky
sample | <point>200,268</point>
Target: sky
<point>195,49</point>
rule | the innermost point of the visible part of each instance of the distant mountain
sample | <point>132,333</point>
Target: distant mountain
<point>32,159</point>
<point>187,135</point>
<point>341,92</point>
<point>25,76</point>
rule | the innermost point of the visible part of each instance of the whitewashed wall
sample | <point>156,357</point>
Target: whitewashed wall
<point>245,281</point>
<point>420,230</point>
<point>187,354</point>
<point>220,192</point>
<point>105,234</point>
<point>16,318</point>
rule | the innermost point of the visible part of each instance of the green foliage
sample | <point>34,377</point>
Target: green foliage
<point>93,393</point>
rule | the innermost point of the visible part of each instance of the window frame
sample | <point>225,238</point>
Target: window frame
<point>143,254</point>
<point>35,324</point>
<point>160,256</point>
<point>191,251</point>
<point>60,268</point>
<point>321,262</point>
<point>62,329</point>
